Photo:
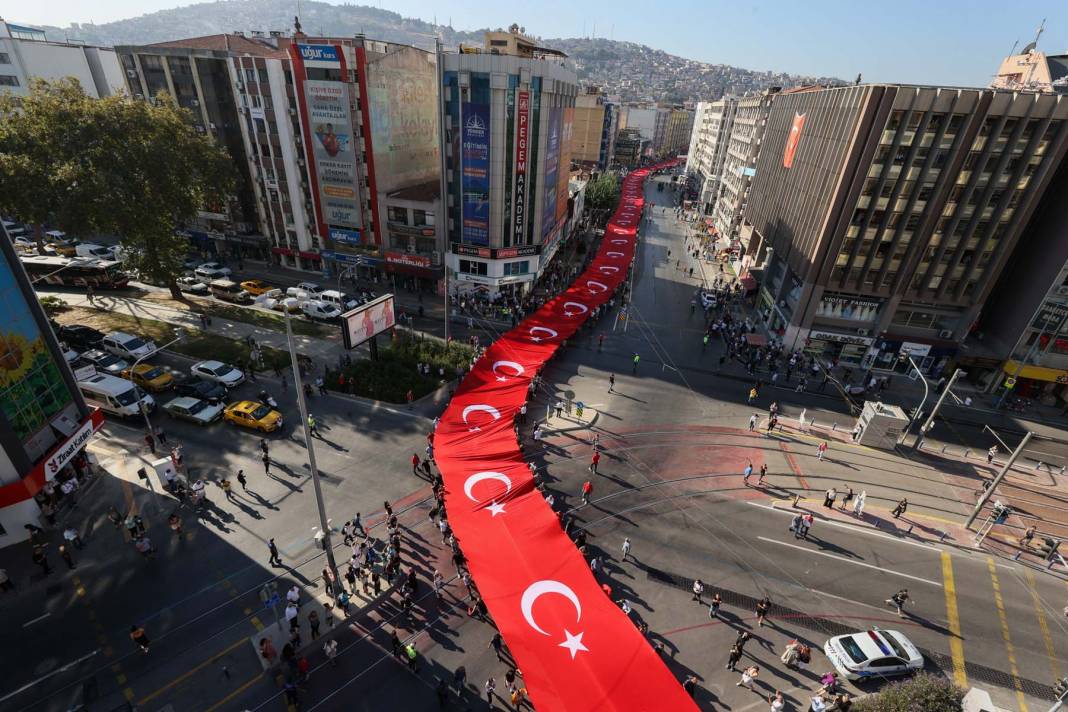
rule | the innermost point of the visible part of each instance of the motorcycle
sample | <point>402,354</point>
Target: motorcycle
<point>267,399</point>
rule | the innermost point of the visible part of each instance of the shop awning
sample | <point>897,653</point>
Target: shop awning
<point>1036,373</point>
<point>748,282</point>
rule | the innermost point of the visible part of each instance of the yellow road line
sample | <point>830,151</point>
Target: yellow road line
<point>1040,613</point>
<point>188,673</point>
<point>956,642</point>
<point>235,693</point>
<point>1010,651</point>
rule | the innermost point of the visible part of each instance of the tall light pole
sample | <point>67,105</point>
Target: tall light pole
<point>934,411</point>
<point>926,392</point>
<point>997,480</point>
<point>324,523</point>
<point>178,336</point>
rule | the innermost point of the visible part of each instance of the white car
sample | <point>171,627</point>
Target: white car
<point>194,410</point>
<point>320,311</point>
<point>708,299</point>
<point>873,653</point>
<point>192,285</point>
<point>128,346</point>
<point>212,270</point>
<point>310,287</point>
<point>218,372</point>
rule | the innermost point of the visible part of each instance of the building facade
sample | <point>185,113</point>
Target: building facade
<point>44,422</point>
<point>739,161</point>
<point>707,153</point>
<point>596,124</point>
<point>883,215</point>
<point>507,123</point>
<point>629,147</point>
<point>678,126</point>
<point>26,53</point>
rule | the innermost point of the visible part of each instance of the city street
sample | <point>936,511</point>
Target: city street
<point>674,440</point>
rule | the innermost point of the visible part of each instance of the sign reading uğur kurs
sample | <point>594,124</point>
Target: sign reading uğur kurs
<point>522,138</point>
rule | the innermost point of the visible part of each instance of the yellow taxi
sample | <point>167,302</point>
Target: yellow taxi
<point>251,414</point>
<point>256,287</point>
<point>151,378</point>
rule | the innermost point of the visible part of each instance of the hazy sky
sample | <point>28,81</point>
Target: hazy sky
<point>956,42</point>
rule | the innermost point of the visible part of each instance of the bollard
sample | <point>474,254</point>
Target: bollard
<point>797,500</point>
<point>1062,469</point>
<point>910,528</point>
<point>1017,557</point>
<point>967,454</point>
<point>834,427</point>
<point>942,538</point>
<point>944,449</point>
<point>1038,465</point>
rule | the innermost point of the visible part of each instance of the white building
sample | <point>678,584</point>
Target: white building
<point>739,163</point>
<point>708,148</point>
<point>25,54</point>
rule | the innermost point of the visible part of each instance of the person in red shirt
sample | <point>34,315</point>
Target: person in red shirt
<point>594,460</point>
<point>415,463</point>
<point>587,490</point>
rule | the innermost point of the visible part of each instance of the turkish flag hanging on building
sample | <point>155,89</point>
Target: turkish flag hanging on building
<point>792,139</point>
<point>578,651</point>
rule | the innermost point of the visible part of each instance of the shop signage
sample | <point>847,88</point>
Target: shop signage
<point>522,137</point>
<point>474,177</point>
<point>345,237</point>
<point>506,253</point>
<point>840,338</point>
<point>403,258</point>
<point>914,350</point>
<point>472,251</point>
<point>69,449</point>
<point>500,253</point>
<point>318,53</point>
<point>1049,317</point>
<point>475,278</point>
<point>840,306</point>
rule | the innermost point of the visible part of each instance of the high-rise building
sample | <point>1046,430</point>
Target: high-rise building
<point>678,126</point>
<point>44,421</point>
<point>883,215</point>
<point>507,121</point>
<point>629,148</point>
<point>323,131</point>
<point>596,123</point>
<point>708,148</point>
<point>26,53</point>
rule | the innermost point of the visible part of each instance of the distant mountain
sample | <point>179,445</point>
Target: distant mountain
<point>626,69</point>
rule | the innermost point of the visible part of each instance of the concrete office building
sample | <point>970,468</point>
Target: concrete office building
<point>44,421</point>
<point>507,121</point>
<point>707,152</point>
<point>26,53</point>
<point>739,161</point>
<point>678,125</point>
<point>883,215</point>
<point>629,148</point>
<point>596,124</point>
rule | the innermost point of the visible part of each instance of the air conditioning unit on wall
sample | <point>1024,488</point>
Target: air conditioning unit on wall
<point>945,334</point>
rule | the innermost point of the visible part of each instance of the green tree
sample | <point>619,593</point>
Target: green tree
<point>601,196</point>
<point>926,692</point>
<point>133,168</point>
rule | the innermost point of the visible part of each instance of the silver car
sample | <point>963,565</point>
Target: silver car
<point>194,410</point>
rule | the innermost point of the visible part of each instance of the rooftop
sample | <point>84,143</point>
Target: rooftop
<point>236,44</point>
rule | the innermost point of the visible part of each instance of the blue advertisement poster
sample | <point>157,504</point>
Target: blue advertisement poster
<point>552,164</point>
<point>475,181</point>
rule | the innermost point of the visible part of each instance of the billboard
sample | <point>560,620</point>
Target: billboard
<point>552,164</point>
<point>402,100</point>
<point>564,164</point>
<point>522,155</point>
<point>475,178</point>
<point>367,320</point>
<point>330,121</point>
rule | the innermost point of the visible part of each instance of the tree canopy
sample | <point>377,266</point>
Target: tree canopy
<point>114,165</point>
<point>925,692</point>
<point>603,192</point>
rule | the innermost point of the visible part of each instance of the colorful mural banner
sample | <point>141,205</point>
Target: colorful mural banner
<point>550,186</point>
<point>330,119</point>
<point>475,142</point>
<point>578,651</point>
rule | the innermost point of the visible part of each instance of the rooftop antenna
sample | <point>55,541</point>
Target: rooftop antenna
<point>1031,47</point>
<point>594,29</point>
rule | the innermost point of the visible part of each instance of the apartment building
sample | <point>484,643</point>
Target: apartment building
<point>882,216</point>
<point>507,122</point>
<point>26,53</point>
<point>596,123</point>
<point>678,125</point>
<point>707,152</point>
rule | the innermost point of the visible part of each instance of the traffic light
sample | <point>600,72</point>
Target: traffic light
<point>1061,688</point>
<point>1049,546</point>
<point>1001,512</point>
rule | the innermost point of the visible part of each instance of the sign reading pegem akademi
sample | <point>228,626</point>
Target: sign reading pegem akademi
<point>522,151</point>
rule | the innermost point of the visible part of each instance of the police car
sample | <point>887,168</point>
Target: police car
<point>873,653</point>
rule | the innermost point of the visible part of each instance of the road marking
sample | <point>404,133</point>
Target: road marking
<point>236,692</point>
<point>27,624</point>
<point>851,561</point>
<point>851,527</point>
<point>794,467</point>
<point>185,675</point>
<point>41,679</point>
<point>1040,613</point>
<point>1010,651</point>
<point>956,643</point>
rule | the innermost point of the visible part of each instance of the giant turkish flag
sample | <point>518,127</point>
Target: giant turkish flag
<point>577,650</point>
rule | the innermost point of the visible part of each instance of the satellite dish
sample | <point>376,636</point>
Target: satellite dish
<point>1028,49</point>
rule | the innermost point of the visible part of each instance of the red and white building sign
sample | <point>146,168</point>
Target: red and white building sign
<point>522,151</point>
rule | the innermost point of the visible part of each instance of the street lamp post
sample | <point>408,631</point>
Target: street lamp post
<point>926,392</point>
<point>934,411</point>
<point>324,523</point>
<point>178,336</point>
<point>997,480</point>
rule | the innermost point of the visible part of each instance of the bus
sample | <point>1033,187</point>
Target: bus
<point>75,272</point>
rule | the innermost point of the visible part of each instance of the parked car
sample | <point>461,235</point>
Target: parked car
<point>341,300</point>
<point>202,390</point>
<point>151,378</point>
<point>102,361</point>
<point>227,291</point>
<point>320,311</point>
<point>873,653</point>
<point>128,346</point>
<point>212,270</point>
<point>194,410</point>
<point>253,414</point>
<point>276,300</point>
<point>218,372</point>
<point>192,285</point>
<point>88,249</point>
<point>256,287</point>
<point>80,337</point>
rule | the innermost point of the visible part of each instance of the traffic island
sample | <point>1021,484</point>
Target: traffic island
<point>396,371</point>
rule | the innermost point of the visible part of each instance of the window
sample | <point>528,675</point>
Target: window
<point>8,80</point>
<point>422,217</point>
<point>498,43</point>
<point>5,58</point>
<point>397,215</point>
<point>472,267</point>
<point>913,222</point>
<point>512,268</point>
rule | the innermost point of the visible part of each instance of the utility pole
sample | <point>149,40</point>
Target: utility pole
<point>997,480</point>
<point>926,392</point>
<point>324,523</point>
<point>934,411</point>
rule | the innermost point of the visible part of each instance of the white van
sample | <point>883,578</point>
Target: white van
<point>320,311</point>
<point>115,395</point>
<point>342,301</point>
<point>229,291</point>
<point>88,249</point>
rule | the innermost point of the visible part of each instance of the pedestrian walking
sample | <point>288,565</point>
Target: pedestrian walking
<point>690,685</point>
<point>266,464</point>
<point>150,442</point>
<point>70,534</point>
<point>778,704</point>
<point>898,601</point>
<point>748,675</point>
<point>847,498</point>
<point>596,458</point>
<point>713,607</point>
<point>459,679</point>
<point>858,506</point>
<point>752,422</point>
<point>242,480</point>
<point>523,413</point>
<point>587,490</point>
<point>264,447</point>
<point>857,429</point>
<point>611,382</point>
<point>747,473</point>
<point>626,548</point>
<point>330,649</point>
<point>490,687</point>
<point>752,394</point>
<point>990,454</point>
<point>763,474</point>
<point>161,435</point>
<point>634,364</point>
<point>762,607</point>
<point>734,656</point>
<point>415,464</point>
<point>901,508</point>
<point>271,547</point>
<point>497,643</point>
<point>413,657</point>
<point>225,484</point>
<point>291,615</point>
<point>821,451</point>
<point>1028,535</point>
<point>314,623</point>
<point>829,497</point>
<point>313,426</point>
<point>137,635</point>
<point>65,554</point>
<point>698,591</point>
<point>90,295</point>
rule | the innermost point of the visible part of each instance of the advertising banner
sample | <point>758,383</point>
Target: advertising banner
<point>346,237</point>
<point>332,149</point>
<point>552,164</point>
<point>522,154</point>
<point>475,176</point>
<point>577,649</point>
<point>564,164</point>
<point>367,320</point>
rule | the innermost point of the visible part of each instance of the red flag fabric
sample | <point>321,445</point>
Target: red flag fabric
<point>577,650</point>
<point>792,140</point>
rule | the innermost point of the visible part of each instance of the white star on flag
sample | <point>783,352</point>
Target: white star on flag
<point>573,643</point>
<point>495,509</point>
